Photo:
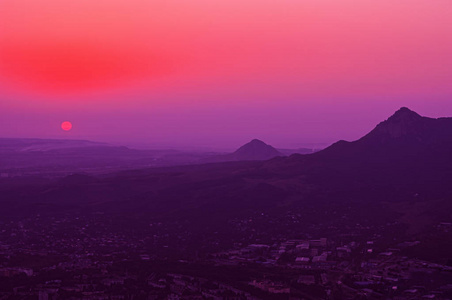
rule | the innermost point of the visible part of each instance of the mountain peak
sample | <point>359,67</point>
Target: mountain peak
<point>256,150</point>
<point>404,114</point>
<point>404,133</point>
<point>404,109</point>
<point>256,142</point>
<point>403,122</point>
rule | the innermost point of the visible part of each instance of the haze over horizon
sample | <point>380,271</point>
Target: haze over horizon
<point>202,74</point>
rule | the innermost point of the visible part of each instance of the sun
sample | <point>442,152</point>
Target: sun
<point>66,125</point>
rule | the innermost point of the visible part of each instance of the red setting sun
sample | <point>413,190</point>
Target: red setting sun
<point>66,126</point>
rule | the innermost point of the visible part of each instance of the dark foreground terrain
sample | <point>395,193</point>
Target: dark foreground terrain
<point>370,219</point>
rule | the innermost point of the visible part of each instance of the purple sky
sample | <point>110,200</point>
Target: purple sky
<point>216,74</point>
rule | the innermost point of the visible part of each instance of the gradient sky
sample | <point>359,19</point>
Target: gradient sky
<point>203,73</point>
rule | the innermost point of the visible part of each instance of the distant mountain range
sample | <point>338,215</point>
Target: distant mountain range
<point>399,172</point>
<point>28,144</point>
<point>22,156</point>
<point>402,138</point>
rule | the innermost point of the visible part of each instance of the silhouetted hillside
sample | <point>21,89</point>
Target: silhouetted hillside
<point>405,133</point>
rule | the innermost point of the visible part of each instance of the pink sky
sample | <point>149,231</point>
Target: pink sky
<point>205,73</point>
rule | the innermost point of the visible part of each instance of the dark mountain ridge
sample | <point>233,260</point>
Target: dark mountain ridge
<point>406,152</point>
<point>403,148</point>
<point>404,133</point>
